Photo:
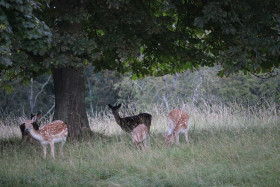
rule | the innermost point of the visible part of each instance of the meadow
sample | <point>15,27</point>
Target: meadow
<point>230,145</point>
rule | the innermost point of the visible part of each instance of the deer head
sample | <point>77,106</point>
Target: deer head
<point>25,135</point>
<point>115,109</point>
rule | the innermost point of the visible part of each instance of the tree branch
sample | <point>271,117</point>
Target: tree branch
<point>42,89</point>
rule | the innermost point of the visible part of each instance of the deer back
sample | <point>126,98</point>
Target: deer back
<point>178,117</point>
<point>131,122</point>
<point>57,127</point>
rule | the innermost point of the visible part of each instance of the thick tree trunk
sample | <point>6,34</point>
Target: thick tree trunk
<point>70,106</point>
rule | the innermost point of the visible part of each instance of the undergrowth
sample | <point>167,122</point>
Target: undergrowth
<point>229,147</point>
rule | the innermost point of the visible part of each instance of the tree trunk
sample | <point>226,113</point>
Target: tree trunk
<point>69,89</point>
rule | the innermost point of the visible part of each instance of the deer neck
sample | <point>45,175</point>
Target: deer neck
<point>35,134</point>
<point>117,118</point>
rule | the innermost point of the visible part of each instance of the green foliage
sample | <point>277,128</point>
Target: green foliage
<point>145,38</point>
<point>158,37</point>
<point>247,32</point>
<point>21,30</point>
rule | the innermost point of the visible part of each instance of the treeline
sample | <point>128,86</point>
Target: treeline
<point>201,86</point>
<point>107,87</point>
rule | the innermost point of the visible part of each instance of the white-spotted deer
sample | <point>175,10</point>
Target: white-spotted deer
<point>139,136</point>
<point>177,122</point>
<point>25,135</point>
<point>52,133</point>
<point>129,123</point>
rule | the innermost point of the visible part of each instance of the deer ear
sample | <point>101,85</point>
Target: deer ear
<point>110,106</point>
<point>119,106</point>
<point>22,120</point>
<point>38,115</point>
<point>31,116</point>
<point>33,119</point>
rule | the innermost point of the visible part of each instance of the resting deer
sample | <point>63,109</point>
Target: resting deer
<point>177,122</point>
<point>129,123</point>
<point>52,133</point>
<point>25,135</point>
<point>139,136</point>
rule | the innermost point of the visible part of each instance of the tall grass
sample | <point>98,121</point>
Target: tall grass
<point>230,146</point>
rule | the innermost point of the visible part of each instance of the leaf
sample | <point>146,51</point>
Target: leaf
<point>199,22</point>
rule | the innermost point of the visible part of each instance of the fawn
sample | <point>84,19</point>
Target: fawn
<point>25,135</point>
<point>52,133</point>
<point>129,123</point>
<point>177,122</point>
<point>139,136</point>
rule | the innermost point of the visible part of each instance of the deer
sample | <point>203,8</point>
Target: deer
<point>139,136</point>
<point>177,123</point>
<point>55,132</point>
<point>129,123</point>
<point>25,135</point>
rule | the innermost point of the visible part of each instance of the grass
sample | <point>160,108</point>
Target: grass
<point>230,146</point>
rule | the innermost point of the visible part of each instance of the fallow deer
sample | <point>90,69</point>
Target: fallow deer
<point>177,122</point>
<point>52,133</point>
<point>25,135</point>
<point>129,123</point>
<point>139,136</point>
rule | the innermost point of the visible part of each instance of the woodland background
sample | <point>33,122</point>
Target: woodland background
<point>110,87</point>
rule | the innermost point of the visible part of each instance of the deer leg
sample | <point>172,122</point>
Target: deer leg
<point>177,136</point>
<point>52,148</point>
<point>177,133</point>
<point>44,150</point>
<point>23,138</point>
<point>140,145</point>
<point>171,126</point>
<point>28,138</point>
<point>145,144</point>
<point>187,136</point>
<point>60,148</point>
<point>134,143</point>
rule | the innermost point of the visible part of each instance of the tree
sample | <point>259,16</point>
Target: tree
<point>21,31</point>
<point>244,34</point>
<point>148,38</point>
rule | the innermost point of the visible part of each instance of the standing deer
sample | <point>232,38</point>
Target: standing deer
<point>139,136</point>
<point>129,123</point>
<point>177,122</point>
<point>25,135</point>
<point>52,133</point>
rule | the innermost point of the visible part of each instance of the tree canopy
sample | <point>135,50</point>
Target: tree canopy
<point>247,34</point>
<point>144,37</point>
<point>21,31</point>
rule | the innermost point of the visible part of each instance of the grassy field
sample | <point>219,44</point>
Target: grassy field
<point>230,146</point>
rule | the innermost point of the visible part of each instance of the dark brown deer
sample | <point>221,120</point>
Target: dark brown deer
<point>25,135</point>
<point>129,123</point>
